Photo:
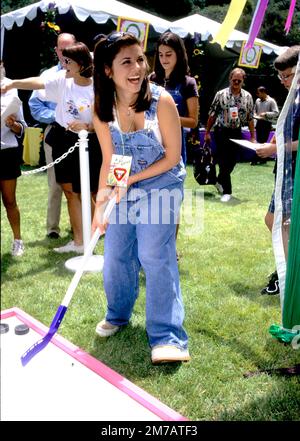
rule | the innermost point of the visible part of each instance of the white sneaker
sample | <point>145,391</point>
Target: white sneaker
<point>106,329</point>
<point>70,247</point>
<point>169,354</point>
<point>225,197</point>
<point>17,248</point>
<point>219,188</point>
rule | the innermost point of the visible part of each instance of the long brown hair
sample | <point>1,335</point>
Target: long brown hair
<point>105,52</point>
<point>181,68</point>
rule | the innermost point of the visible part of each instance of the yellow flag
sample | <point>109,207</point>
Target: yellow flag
<point>31,145</point>
<point>232,17</point>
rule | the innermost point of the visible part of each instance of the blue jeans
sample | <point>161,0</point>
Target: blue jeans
<point>131,242</point>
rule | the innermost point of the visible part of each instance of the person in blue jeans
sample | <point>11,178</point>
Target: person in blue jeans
<point>137,119</point>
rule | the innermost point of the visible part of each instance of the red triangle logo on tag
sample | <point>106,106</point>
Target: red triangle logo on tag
<point>119,173</point>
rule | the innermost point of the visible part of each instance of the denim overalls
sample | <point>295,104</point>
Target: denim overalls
<point>141,232</point>
<point>182,110</point>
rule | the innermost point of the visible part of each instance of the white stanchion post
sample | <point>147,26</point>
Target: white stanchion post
<point>95,263</point>
<point>85,186</point>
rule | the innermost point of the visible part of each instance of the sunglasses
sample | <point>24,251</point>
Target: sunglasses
<point>113,38</point>
<point>237,81</point>
<point>68,61</point>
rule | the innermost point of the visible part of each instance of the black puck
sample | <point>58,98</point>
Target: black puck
<point>4,328</point>
<point>21,329</point>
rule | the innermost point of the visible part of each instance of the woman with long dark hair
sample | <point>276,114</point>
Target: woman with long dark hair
<point>171,70</point>
<point>138,122</point>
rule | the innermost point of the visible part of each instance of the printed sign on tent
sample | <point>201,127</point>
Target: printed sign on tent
<point>138,28</point>
<point>249,57</point>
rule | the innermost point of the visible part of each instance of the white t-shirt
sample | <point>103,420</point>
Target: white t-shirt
<point>74,102</point>
<point>46,74</point>
<point>10,104</point>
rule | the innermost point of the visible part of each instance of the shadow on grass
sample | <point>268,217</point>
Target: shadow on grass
<point>281,403</point>
<point>51,261</point>
<point>236,201</point>
<point>49,243</point>
<point>7,261</point>
<point>129,354</point>
<point>253,293</point>
<point>277,351</point>
<point>214,197</point>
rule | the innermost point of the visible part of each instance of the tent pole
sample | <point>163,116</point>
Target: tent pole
<point>2,40</point>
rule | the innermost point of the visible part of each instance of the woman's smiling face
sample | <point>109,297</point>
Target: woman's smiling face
<point>129,69</point>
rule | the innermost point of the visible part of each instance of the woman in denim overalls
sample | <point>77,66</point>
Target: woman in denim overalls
<point>132,119</point>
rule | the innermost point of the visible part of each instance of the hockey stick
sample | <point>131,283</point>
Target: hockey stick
<point>40,344</point>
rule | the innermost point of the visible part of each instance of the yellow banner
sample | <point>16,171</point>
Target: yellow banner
<point>232,17</point>
<point>31,145</point>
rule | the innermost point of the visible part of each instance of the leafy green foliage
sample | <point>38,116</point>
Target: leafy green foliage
<point>274,22</point>
<point>178,8</point>
<point>50,30</point>
<point>11,5</point>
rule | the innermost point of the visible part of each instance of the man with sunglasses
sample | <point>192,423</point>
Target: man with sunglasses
<point>231,109</point>
<point>43,111</point>
<point>285,64</point>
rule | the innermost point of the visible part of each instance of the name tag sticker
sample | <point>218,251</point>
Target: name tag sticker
<point>234,113</point>
<point>119,170</point>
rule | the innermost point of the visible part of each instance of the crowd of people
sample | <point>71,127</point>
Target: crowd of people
<point>133,117</point>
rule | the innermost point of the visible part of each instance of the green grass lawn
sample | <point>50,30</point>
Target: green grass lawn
<point>223,267</point>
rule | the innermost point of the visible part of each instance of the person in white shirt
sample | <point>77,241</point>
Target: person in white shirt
<point>265,113</point>
<point>72,90</point>
<point>43,111</point>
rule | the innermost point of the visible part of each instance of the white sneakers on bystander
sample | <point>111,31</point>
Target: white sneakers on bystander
<point>70,247</point>
<point>17,248</point>
<point>225,197</point>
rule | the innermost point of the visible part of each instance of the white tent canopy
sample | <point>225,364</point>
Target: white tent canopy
<point>208,28</point>
<point>103,10</point>
<point>100,10</point>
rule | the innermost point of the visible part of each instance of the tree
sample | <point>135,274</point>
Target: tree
<point>11,5</point>
<point>273,25</point>
<point>178,8</point>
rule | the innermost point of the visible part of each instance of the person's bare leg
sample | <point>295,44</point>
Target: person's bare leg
<point>75,214</point>
<point>269,220</point>
<point>8,189</point>
<point>285,231</point>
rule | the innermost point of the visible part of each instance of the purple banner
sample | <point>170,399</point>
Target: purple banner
<point>256,22</point>
<point>290,16</point>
